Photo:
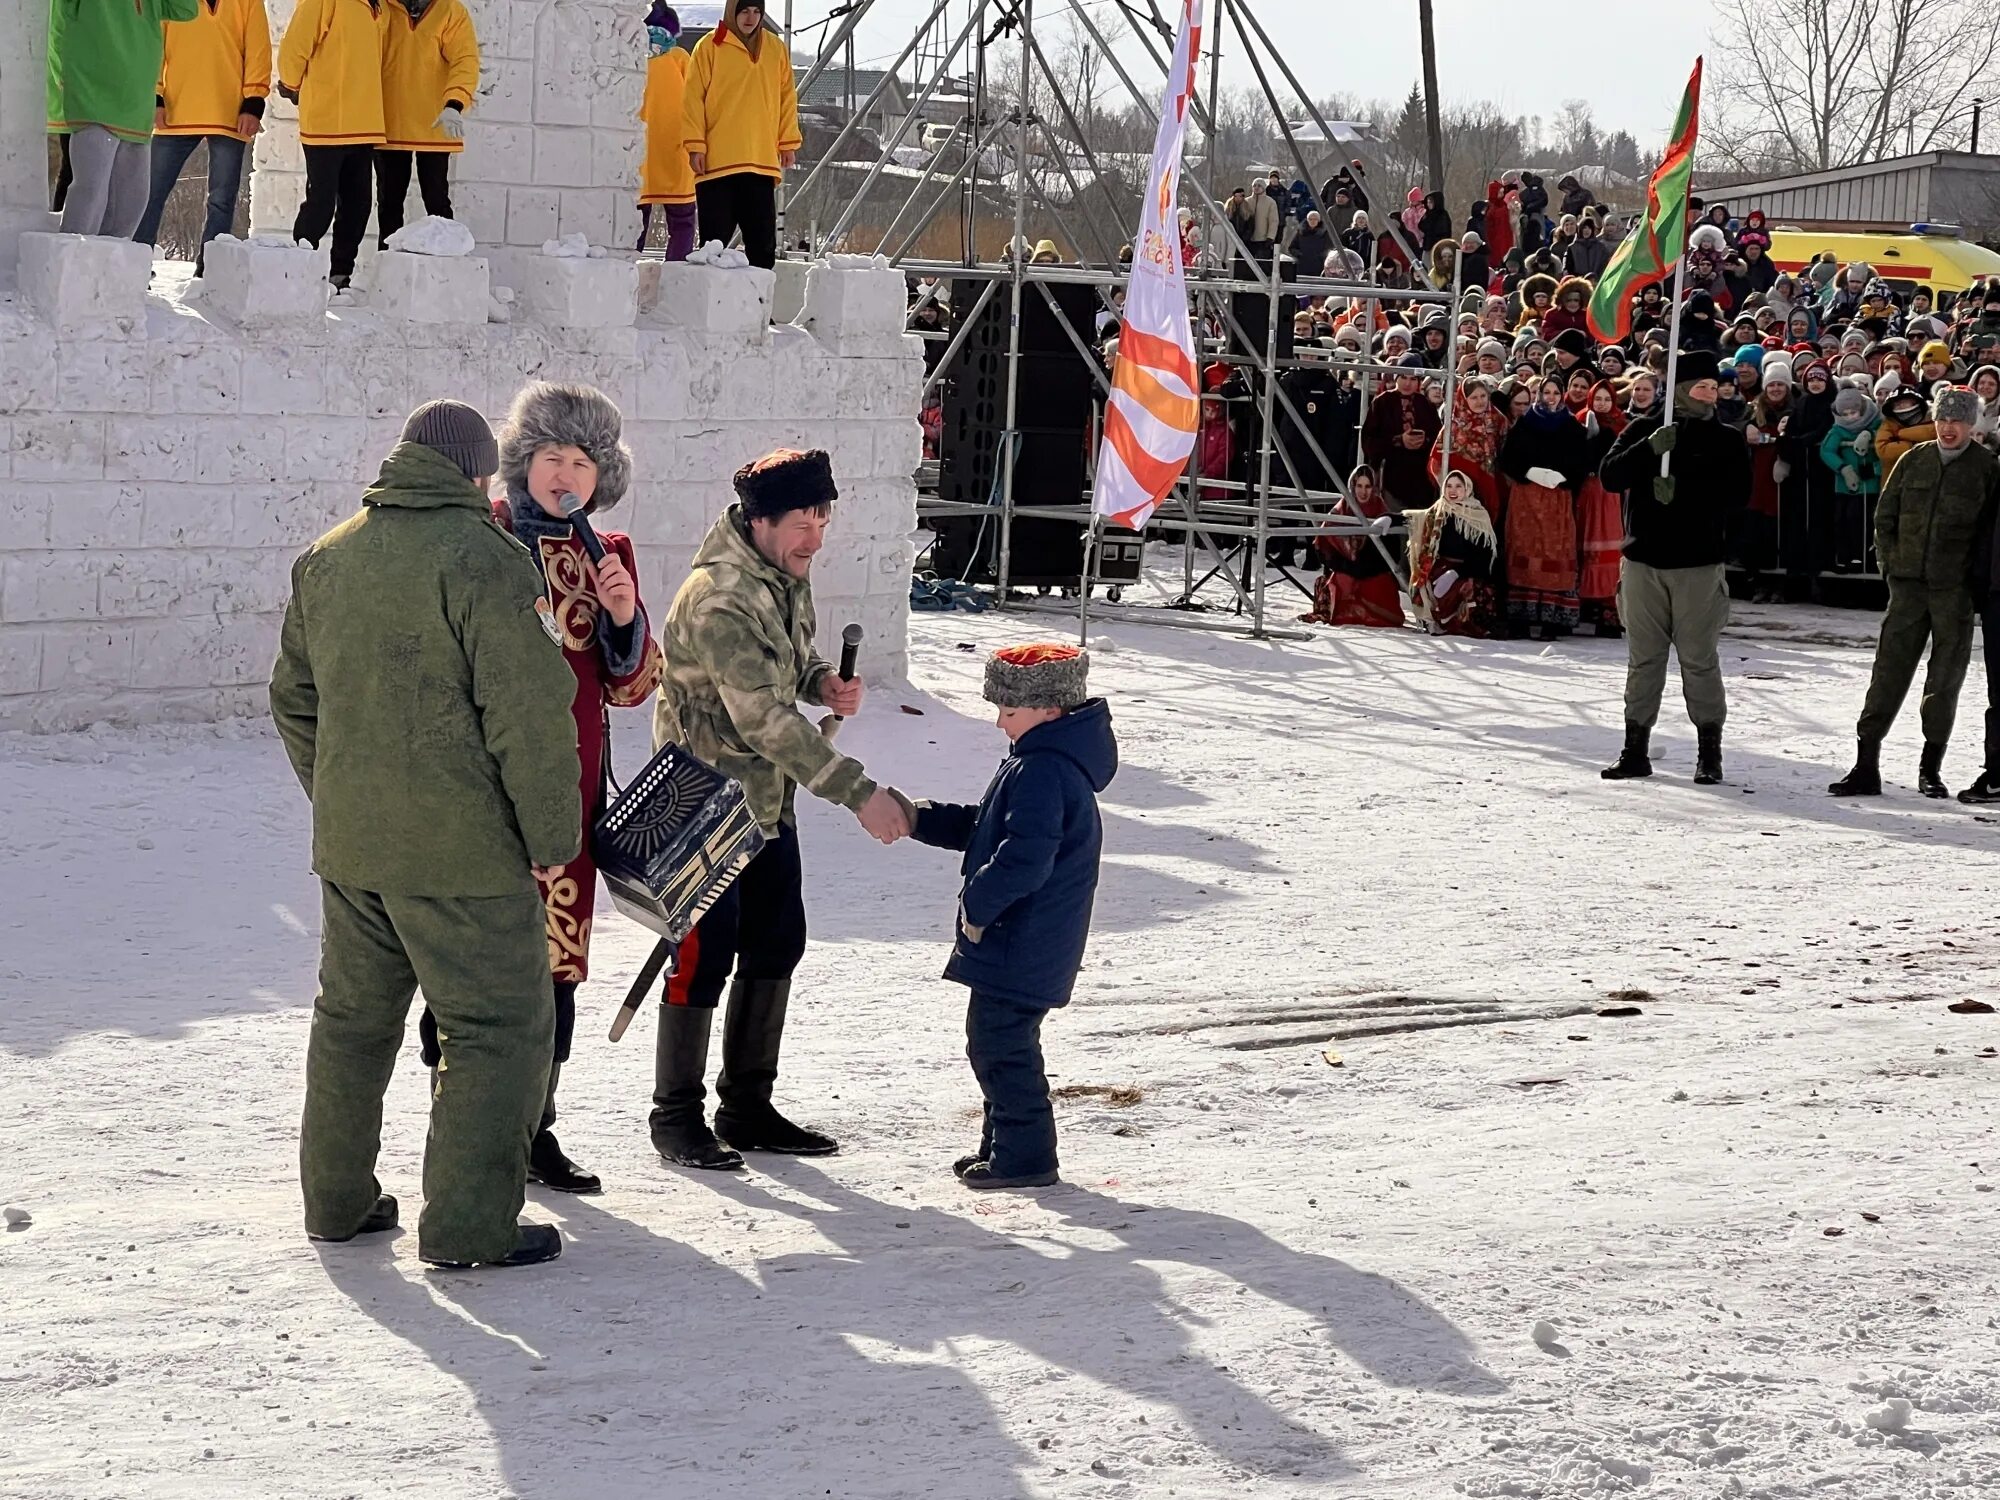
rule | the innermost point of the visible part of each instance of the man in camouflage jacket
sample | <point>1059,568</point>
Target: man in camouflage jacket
<point>740,659</point>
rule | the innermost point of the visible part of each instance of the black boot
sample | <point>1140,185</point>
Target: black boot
<point>1985,789</point>
<point>1930,771</point>
<point>1708,754</point>
<point>680,1064</point>
<point>381,1218</point>
<point>546,1162</point>
<point>1634,760</point>
<point>750,1038</point>
<point>534,1244</point>
<point>1865,780</point>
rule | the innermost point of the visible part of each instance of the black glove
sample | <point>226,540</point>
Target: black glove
<point>289,95</point>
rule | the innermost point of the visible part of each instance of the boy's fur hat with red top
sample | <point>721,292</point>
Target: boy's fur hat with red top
<point>1042,675</point>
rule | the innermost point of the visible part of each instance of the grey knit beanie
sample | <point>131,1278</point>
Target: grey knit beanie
<point>566,416</point>
<point>1045,675</point>
<point>458,432</point>
<point>1955,403</point>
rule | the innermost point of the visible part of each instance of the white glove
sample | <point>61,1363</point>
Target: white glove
<point>451,122</point>
<point>1441,584</point>
<point>1781,471</point>
<point>1864,441</point>
<point>1548,479</point>
<point>1851,477</point>
<point>972,934</point>
<point>1590,423</point>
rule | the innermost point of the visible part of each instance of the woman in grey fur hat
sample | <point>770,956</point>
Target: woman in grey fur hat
<point>564,440</point>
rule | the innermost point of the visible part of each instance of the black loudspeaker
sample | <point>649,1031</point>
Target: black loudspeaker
<point>1252,314</point>
<point>1053,406</point>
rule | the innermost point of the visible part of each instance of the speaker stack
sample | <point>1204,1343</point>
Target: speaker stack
<point>1053,409</point>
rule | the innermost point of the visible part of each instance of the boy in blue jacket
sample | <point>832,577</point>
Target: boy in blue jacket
<point>1031,848</point>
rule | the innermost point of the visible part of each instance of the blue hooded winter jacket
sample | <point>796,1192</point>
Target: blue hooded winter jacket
<point>1031,850</point>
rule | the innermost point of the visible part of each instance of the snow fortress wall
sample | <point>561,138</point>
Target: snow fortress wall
<point>164,458</point>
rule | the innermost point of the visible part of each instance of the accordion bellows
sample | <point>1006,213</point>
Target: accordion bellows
<point>672,841</point>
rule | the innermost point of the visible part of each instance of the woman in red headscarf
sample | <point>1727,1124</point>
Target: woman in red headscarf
<point>1478,427</point>
<point>1357,586</point>
<point>1600,516</point>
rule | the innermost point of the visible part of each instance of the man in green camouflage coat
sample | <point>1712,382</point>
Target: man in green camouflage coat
<point>740,659</point>
<point>424,700</point>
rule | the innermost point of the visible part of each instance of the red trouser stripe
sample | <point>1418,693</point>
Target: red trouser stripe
<point>685,963</point>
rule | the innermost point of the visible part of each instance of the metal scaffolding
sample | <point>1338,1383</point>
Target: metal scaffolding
<point>1231,522</point>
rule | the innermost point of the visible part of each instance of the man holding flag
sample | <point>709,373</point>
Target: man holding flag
<point>1688,476</point>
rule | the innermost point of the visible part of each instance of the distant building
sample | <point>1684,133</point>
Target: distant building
<point>1933,187</point>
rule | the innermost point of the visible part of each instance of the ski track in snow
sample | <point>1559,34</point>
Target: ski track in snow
<point>1267,1276</point>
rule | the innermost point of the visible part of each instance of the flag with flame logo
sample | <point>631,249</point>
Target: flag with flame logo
<point>1152,416</point>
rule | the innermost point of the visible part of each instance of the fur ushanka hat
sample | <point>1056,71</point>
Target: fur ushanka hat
<point>1955,403</point>
<point>785,480</point>
<point>547,415</point>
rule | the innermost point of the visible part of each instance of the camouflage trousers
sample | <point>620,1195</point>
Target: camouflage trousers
<point>483,963</point>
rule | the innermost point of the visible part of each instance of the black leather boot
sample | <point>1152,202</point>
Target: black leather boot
<point>1708,754</point>
<point>680,1064</point>
<point>750,1039</point>
<point>1635,759</point>
<point>1930,771</point>
<point>546,1162</point>
<point>1865,780</point>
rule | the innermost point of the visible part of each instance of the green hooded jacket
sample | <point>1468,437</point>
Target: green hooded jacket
<point>1932,513</point>
<point>740,658</point>
<point>423,701</point>
<point>104,62</point>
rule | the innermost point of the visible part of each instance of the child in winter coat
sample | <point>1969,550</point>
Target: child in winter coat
<point>1031,852</point>
<point>666,178</point>
<point>1849,450</point>
<point>1906,422</point>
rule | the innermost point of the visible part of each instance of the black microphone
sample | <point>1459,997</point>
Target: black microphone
<point>850,647</point>
<point>575,511</point>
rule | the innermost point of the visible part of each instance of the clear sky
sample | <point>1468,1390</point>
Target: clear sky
<point>1629,61</point>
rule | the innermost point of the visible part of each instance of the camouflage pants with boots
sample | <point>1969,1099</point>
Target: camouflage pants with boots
<point>1916,615</point>
<point>483,963</point>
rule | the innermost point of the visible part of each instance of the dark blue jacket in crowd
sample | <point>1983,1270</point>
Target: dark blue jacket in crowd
<point>1031,850</point>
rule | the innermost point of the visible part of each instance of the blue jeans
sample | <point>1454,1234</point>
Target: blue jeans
<point>225,180</point>
<point>1003,1041</point>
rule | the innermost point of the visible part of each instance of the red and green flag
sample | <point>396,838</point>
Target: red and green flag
<point>1650,253</point>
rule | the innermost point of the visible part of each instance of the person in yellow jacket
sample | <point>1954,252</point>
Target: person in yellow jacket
<point>430,71</point>
<point>740,125</point>
<point>666,179</point>
<point>214,78</point>
<point>330,65</point>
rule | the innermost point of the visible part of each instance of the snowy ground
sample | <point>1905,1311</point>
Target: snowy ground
<point>1751,1217</point>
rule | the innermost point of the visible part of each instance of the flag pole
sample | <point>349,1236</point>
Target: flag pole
<point>1673,351</point>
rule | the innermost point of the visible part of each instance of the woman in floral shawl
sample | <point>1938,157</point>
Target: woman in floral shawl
<point>1478,427</point>
<point>1600,516</point>
<point>1454,557</point>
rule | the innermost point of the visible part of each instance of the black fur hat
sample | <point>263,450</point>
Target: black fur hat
<point>785,480</point>
<point>569,416</point>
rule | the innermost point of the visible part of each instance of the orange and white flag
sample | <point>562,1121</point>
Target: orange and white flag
<point>1153,414</point>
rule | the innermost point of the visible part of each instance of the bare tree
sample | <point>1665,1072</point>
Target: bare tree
<point>1807,85</point>
<point>1576,134</point>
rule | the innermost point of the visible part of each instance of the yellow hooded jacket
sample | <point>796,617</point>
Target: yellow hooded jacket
<point>425,63</point>
<point>216,68</point>
<point>741,111</point>
<point>331,58</point>
<point>666,175</point>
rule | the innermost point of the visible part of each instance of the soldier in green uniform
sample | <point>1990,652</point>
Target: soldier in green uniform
<point>423,696</point>
<point>739,661</point>
<point>1938,504</point>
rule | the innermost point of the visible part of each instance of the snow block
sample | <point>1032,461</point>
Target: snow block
<point>789,300</point>
<point>81,282</point>
<point>860,309</point>
<point>430,288</point>
<point>713,303</point>
<point>571,292</point>
<point>261,285</point>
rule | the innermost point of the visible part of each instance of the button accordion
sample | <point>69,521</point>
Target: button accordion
<point>668,846</point>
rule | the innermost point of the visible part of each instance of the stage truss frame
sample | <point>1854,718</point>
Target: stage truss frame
<point>1277,506</point>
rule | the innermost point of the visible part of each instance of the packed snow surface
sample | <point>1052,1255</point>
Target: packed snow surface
<point>431,235</point>
<point>1512,1247</point>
